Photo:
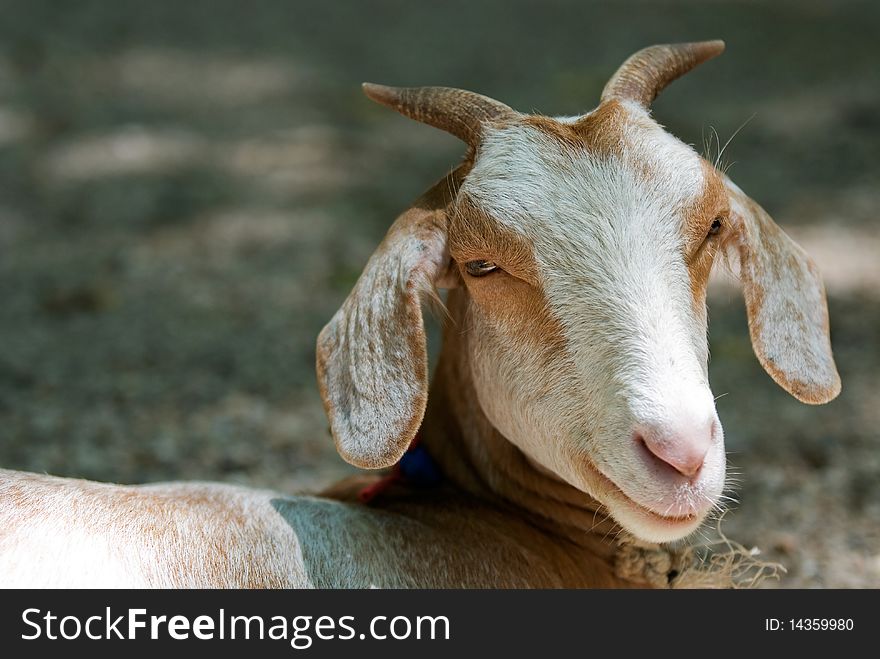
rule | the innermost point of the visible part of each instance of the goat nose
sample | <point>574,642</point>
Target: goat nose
<point>683,449</point>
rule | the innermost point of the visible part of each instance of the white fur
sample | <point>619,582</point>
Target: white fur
<point>65,533</point>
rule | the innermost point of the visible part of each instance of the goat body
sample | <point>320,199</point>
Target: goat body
<point>66,533</point>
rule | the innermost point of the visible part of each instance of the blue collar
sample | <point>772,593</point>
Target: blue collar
<point>416,468</point>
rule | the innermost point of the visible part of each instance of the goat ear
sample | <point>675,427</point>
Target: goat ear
<point>785,302</point>
<point>372,358</point>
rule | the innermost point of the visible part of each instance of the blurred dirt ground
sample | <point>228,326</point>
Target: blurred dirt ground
<point>188,190</point>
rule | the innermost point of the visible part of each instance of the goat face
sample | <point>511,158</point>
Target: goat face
<point>584,246</point>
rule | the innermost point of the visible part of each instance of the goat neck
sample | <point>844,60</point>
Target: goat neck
<point>475,456</point>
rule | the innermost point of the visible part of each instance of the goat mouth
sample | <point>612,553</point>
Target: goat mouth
<point>616,495</point>
<point>672,520</point>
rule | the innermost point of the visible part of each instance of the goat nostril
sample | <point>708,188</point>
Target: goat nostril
<point>683,457</point>
<point>689,470</point>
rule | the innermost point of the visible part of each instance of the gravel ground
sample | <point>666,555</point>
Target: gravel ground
<point>189,190</point>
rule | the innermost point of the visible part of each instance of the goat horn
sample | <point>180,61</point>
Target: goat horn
<point>456,111</point>
<point>646,73</point>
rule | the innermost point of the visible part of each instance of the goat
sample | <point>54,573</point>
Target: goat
<point>570,404</point>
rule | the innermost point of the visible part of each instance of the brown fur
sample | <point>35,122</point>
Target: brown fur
<point>600,132</point>
<point>701,251</point>
<point>512,295</point>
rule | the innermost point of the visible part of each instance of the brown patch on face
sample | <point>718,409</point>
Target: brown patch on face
<point>601,131</point>
<point>520,312</point>
<point>474,234</point>
<point>604,130</point>
<point>701,248</point>
<point>562,132</point>
<point>511,298</point>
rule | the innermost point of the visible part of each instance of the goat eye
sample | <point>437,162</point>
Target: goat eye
<point>717,223</point>
<point>479,268</point>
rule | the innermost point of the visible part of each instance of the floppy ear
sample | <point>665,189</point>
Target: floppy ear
<point>785,301</point>
<point>372,358</point>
